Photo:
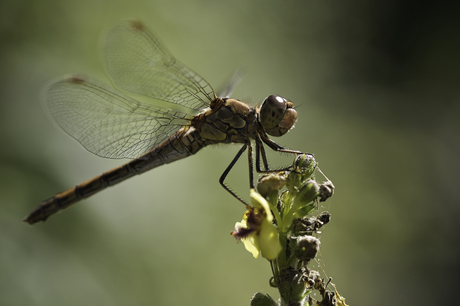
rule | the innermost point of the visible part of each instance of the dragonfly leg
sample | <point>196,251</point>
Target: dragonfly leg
<point>251,166</point>
<point>230,166</point>
<point>276,147</point>
<point>260,151</point>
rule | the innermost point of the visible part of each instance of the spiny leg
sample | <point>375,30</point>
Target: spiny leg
<point>230,166</point>
<point>276,147</point>
<point>260,150</point>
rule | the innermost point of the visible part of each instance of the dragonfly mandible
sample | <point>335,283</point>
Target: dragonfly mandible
<point>111,124</point>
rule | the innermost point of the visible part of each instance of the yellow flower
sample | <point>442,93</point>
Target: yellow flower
<point>257,231</point>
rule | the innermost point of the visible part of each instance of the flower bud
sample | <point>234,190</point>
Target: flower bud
<point>306,247</point>
<point>303,168</point>
<point>271,182</point>
<point>326,190</point>
<point>310,225</point>
<point>305,164</point>
<point>308,193</point>
<point>293,181</point>
<point>306,210</point>
<point>260,299</point>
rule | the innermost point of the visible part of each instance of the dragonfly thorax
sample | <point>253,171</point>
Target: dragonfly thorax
<point>227,121</point>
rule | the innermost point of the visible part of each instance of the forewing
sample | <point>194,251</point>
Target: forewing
<point>138,63</point>
<point>108,123</point>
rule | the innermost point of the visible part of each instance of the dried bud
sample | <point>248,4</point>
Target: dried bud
<point>306,247</point>
<point>306,225</point>
<point>271,182</point>
<point>326,190</point>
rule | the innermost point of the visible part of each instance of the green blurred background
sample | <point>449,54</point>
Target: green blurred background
<point>378,88</point>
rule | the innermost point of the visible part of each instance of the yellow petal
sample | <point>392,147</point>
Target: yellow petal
<point>268,240</point>
<point>252,245</point>
<point>259,201</point>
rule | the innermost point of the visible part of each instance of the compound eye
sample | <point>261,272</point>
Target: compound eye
<point>272,111</point>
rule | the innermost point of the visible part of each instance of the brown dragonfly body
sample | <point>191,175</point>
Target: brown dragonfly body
<point>112,125</point>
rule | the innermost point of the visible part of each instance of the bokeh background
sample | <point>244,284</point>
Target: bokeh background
<point>378,88</point>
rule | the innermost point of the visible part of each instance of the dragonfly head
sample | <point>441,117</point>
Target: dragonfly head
<point>277,115</point>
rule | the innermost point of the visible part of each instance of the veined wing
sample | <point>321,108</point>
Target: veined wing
<point>138,63</point>
<point>107,123</point>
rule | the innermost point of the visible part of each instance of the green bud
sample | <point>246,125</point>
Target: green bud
<point>303,168</point>
<point>305,210</point>
<point>293,180</point>
<point>260,299</point>
<point>305,164</point>
<point>286,198</point>
<point>308,193</point>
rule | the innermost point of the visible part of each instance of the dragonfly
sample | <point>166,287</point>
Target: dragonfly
<point>111,124</point>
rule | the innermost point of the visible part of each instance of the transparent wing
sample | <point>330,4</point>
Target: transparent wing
<point>227,91</point>
<point>108,123</point>
<point>138,63</point>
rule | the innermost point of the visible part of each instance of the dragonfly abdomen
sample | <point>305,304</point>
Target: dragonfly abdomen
<point>79,192</point>
<point>183,143</point>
